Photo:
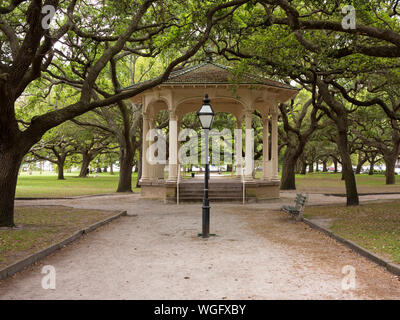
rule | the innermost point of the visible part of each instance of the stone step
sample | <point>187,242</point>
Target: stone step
<point>211,196</point>
<point>216,199</point>
<point>211,187</point>
<point>210,190</point>
<point>218,191</point>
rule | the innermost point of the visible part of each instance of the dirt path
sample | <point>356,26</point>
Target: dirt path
<point>155,254</point>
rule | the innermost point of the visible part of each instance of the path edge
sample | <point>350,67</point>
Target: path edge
<point>390,266</point>
<point>35,257</point>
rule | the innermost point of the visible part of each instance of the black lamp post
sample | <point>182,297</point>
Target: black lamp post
<point>206,116</point>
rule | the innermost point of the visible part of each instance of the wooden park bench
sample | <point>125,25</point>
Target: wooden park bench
<point>297,210</point>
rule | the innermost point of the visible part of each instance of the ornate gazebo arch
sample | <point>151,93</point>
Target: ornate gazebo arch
<point>184,91</point>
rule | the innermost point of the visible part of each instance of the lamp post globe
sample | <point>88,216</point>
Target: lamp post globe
<point>206,114</point>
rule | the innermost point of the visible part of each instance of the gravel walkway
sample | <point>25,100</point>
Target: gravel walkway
<point>155,253</point>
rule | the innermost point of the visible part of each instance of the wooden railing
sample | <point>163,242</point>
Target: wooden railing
<point>178,184</point>
<point>244,187</point>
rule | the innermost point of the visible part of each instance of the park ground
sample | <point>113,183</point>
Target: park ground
<point>40,227</point>
<point>154,253</point>
<point>259,253</point>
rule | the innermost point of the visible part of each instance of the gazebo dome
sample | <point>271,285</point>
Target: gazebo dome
<point>212,73</point>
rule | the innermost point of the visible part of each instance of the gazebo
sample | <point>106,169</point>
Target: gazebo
<point>183,93</point>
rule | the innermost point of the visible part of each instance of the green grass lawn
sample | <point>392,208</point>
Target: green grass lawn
<point>335,178</point>
<point>40,227</point>
<point>47,185</point>
<point>332,183</point>
<point>374,226</point>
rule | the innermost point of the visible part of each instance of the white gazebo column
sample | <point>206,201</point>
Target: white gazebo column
<point>178,143</point>
<point>152,167</point>
<point>239,148</point>
<point>274,147</point>
<point>249,151</point>
<point>145,145</point>
<point>173,147</point>
<point>266,162</point>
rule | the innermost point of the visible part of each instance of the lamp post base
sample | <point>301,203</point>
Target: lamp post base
<point>209,235</point>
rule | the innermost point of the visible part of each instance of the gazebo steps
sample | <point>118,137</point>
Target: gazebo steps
<point>211,188</point>
<point>218,191</point>
<point>211,199</point>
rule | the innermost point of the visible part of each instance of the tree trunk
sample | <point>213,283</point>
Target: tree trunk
<point>360,163</point>
<point>304,168</point>
<point>347,167</point>
<point>126,155</point>
<point>390,163</point>
<point>335,164</point>
<point>298,166</point>
<point>85,165</point>
<point>371,168</point>
<point>139,167</point>
<point>311,167</point>
<point>341,122</point>
<point>111,168</point>
<point>60,167</point>
<point>325,167</point>
<point>10,162</point>
<point>288,181</point>
<point>317,166</point>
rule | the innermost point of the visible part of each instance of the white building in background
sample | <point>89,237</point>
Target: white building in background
<point>38,166</point>
<point>48,166</point>
<point>397,167</point>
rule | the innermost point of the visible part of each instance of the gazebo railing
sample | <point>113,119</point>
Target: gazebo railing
<point>244,186</point>
<point>178,184</point>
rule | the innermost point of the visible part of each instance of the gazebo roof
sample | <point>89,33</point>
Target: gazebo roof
<point>213,73</point>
